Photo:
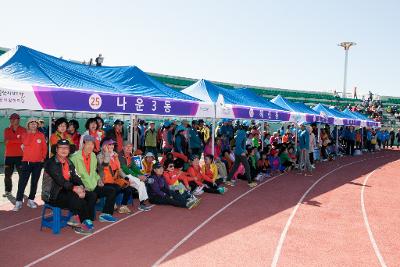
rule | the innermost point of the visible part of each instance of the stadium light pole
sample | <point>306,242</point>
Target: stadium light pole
<point>346,46</point>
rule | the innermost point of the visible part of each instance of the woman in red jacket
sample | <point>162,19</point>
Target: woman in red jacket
<point>34,153</point>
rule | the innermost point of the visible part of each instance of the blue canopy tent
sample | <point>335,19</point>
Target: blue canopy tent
<point>340,117</point>
<point>367,122</point>
<point>37,81</point>
<point>238,103</point>
<point>305,114</point>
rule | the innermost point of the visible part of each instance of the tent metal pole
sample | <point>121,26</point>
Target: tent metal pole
<point>262,135</point>
<point>296,137</point>
<point>51,114</point>
<point>130,128</point>
<point>337,139</point>
<point>362,138</point>
<point>135,140</point>
<point>213,127</point>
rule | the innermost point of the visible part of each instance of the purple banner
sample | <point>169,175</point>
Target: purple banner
<point>76,100</point>
<point>350,122</point>
<point>260,114</point>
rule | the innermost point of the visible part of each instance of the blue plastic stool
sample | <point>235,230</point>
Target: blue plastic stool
<point>56,220</point>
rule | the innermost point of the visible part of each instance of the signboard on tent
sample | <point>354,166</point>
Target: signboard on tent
<point>51,98</point>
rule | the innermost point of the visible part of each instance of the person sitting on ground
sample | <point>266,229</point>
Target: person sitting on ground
<point>274,161</point>
<point>263,168</point>
<point>109,169</point>
<point>92,130</point>
<point>196,176</point>
<point>285,161</point>
<point>63,188</point>
<point>85,162</point>
<point>147,163</point>
<point>61,126</point>
<point>130,171</point>
<point>212,184</point>
<point>227,159</point>
<point>160,193</point>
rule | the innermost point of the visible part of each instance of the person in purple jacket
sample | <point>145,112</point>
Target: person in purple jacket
<point>160,194</point>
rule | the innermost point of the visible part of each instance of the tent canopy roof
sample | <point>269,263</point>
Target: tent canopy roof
<point>293,106</point>
<point>209,92</point>
<point>29,66</point>
<point>331,112</point>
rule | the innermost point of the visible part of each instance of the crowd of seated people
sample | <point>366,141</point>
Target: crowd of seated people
<point>173,164</point>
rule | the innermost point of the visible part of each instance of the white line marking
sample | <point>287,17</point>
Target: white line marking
<point>371,236</point>
<point>81,239</point>
<point>18,224</point>
<point>166,255</point>
<point>285,230</point>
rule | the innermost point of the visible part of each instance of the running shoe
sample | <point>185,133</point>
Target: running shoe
<point>74,221</point>
<point>124,210</point>
<point>31,204</point>
<point>144,207</point>
<point>104,217</point>
<point>252,184</point>
<point>18,206</point>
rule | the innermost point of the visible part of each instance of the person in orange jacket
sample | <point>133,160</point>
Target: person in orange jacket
<point>34,153</point>
<point>13,153</point>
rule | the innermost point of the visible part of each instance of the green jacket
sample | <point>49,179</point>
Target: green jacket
<point>150,138</point>
<point>125,170</point>
<point>89,179</point>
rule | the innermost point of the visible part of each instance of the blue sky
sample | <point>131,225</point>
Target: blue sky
<point>288,44</point>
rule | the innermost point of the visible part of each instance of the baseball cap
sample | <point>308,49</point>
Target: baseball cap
<point>127,142</point>
<point>149,154</point>
<point>157,165</point>
<point>63,142</point>
<point>109,142</point>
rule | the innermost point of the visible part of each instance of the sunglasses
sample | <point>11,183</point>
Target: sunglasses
<point>170,166</point>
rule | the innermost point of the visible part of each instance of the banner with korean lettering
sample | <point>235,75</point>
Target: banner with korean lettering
<point>62,99</point>
<point>244,112</point>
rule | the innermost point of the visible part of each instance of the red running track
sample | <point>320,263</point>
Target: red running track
<point>327,228</point>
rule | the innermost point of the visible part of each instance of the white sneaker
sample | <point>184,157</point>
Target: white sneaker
<point>31,204</point>
<point>18,206</point>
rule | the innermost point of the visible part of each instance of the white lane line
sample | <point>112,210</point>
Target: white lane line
<point>371,236</point>
<point>183,240</point>
<point>18,224</point>
<point>81,239</point>
<point>289,221</point>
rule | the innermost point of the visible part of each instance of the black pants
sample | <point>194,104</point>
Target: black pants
<point>311,156</point>
<point>83,207</point>
<point>379,143</point>
<point>240,159</point>
<point>324,155</point>
<point>210,188</point>
<point>175,199</point>
<point>29,169</point>
<point>109,193</point>
<point>10,164</point>
<point>391,142</point>
<point>127,192</point>
<point>350,147</point>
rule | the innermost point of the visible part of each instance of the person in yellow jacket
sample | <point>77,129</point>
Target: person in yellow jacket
<point>210,170</point>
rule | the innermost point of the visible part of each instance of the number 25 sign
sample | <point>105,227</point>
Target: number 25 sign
<point>95,101</point>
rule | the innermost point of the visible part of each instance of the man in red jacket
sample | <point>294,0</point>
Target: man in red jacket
<point>13,153</point>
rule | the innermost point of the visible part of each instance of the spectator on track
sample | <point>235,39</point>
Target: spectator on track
<point>13,154</point>
<point>85,162</point>
<point>34,154</point>
<point>63,188</point>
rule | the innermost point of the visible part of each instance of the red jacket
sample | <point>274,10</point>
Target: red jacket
<point>172,177</point>
<point>35,147</point>
<point>13,141</point>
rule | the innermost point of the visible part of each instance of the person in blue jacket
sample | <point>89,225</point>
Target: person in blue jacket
<point>351,140</point>
<point>240,156</point>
